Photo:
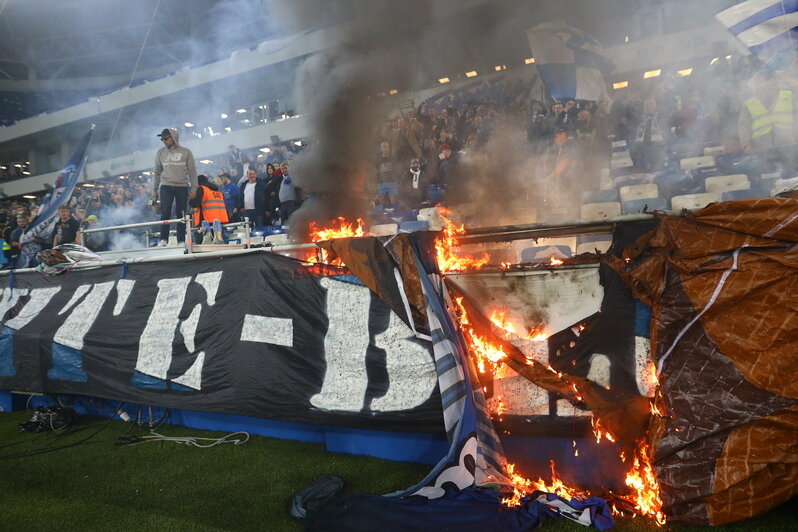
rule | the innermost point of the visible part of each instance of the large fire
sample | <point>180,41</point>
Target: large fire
<point>448,258</point>
<point>644,498</point>
<point>338,228</point>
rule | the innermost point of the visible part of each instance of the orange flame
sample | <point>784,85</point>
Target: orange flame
<point>523,487</point>
<point>557,486</point>
<point>486,355</point>
<point>645,488</point>
<point>338,228</point>
<point>343,229</point>
<point>498,317</point>
<point>599,433</point>
<point>450,260</point>
<point>500,408</point>
<point>555,261</point>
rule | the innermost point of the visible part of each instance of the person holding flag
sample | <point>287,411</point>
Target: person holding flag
<point>39,232</point>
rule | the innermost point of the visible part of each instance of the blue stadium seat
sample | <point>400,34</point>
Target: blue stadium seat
<point>412,227</point>
<point>599,196</point>
<point>734,195</point>
<point>266,230</point>
<point>544,253</point>
<point>763,186</point>
<point>649,204</point>
<point>622,171</point>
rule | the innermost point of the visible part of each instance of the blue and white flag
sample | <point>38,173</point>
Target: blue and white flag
<point>766,27</point>
<point>42,226</point>
<point>571,63</point>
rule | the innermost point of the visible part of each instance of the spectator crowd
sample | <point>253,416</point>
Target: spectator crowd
<point>422,154</point>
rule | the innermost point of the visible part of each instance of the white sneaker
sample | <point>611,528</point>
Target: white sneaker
<point>161,243</point>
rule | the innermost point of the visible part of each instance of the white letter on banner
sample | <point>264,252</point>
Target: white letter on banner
<point>411,372</point>
<point>39,297</point>
<point>646,380</point>
<point>9,298</point>
<point>155,346</point>
<point>81,319</point>
<point>345,379</point>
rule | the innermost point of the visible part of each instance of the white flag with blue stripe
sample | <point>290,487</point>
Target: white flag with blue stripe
<point>769,28</point>
<point>570,62</point>
<point>42,226</point>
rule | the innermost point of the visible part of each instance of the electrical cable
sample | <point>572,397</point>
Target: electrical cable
<point>50,449</point>
<point>236,438</point>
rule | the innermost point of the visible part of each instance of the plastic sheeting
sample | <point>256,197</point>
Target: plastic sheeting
<point>722,285</point>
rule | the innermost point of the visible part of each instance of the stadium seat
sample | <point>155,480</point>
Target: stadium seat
<point>544,253</point>
<point>726,183</point>
<point>383,229</point>
<point>697,163</point>
<point>592,247</point>
<point>632,192</point>
<point>276,240</point>
<point>635,206</point>
<point>619,145</point>
<point>633,179</point>
<point>622,171</point>
<point>734,195</point>
<point>620,162</point>
<point>412,227</point>
<point>600,210</point>
<point>430,215</point>
<point>599,196</point>
<point>714,151</point>
<point>591,243</point>
<point>693,201</point>
<point>677,183</point>
<point>764,187</point>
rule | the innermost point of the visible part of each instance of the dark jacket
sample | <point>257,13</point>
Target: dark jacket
<point>260,196</point>
<point>409,196</point>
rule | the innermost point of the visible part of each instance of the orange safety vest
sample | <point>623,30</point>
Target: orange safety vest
<point>212,207</point>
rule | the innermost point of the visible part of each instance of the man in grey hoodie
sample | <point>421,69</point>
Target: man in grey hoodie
<point>175,181</point>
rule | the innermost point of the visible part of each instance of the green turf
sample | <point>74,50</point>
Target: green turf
<point>166,486</point>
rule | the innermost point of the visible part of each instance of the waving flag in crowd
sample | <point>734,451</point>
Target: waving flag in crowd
<point>766,27</point>
<point>570,62</point>
<point>42,225</point>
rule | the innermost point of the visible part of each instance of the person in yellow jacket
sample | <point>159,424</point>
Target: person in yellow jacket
<point>209,210</point>
<point>768,124</point>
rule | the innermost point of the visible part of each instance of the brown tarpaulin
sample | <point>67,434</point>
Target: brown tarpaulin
<point>723,286</point>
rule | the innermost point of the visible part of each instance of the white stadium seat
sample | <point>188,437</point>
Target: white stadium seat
<point>601,210</point>
<point>276,240</point>
<point>384,229</point>
<point>621,162</point>
<point>633,192</point>
<point>727,183</point>
<point>430,215</point>
<point>695,163</point>
<point>618,144</point>
<point>714,151</point>
<point>693,201</point>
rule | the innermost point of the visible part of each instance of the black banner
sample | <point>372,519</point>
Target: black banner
<point>257,335</point>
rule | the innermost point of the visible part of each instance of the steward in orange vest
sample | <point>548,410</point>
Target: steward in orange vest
<point>208,203</point>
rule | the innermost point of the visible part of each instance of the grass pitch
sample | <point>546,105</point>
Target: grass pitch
<point>81,480</point>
